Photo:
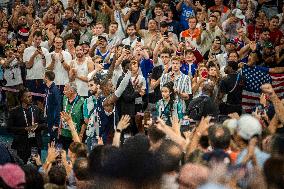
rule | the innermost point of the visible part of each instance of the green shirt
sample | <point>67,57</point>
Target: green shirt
<point>74,108</point>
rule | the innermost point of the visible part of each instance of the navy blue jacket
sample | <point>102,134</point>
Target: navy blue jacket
<point>53,105</point>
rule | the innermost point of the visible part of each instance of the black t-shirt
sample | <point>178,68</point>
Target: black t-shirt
<point>156,74</point>
<point>227,85</point>
<point>2,51</point>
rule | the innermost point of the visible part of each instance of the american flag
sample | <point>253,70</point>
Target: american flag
<point>255,76</point>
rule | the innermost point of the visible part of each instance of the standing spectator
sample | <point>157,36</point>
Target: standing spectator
<point>169,107</point>
<point>26,122</point>
<point>12,74</point>
<point>73,105</point>
<point>79,70</point>
<point>70,45</point>
<point>192,33</point>
<point>3,39</point>
<point>219,6</point>
<point>248,132</point>
<point>113,38</point>
<point>90,112</point>
<point>275,33</point>
<point>132,38</point>
<point>60,61</point>
<point>182,83</point>
<point>156,75</point>
<point>208,34</point>
<point>231,87</point>
<point>255,29</point>
<point>36,58</point>
<point>98,30</point>
<point>187,12</point>
<point>204,104</point>
<point>231,24</point>
<point>173,25</point>
<point>52,105</point>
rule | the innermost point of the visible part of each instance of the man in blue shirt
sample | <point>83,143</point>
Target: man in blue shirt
<point>53,101</point>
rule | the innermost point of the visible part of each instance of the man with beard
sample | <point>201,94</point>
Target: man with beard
<point>26,122</point>
<point>90,113</point>
<point>86,34</point>
<point>74,29</point>
<point>132,38</point>
<point>100,48</point>
<point>60,60</point>
<point>80,68</point>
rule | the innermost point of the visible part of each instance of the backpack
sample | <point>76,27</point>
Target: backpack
<point>196,107</point>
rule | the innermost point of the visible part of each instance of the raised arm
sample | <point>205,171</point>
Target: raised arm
<point>277,103</point>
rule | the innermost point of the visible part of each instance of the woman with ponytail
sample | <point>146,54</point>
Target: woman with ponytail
<point>169,106</point>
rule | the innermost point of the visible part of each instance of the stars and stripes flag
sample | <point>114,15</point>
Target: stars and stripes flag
<point>254,78</point>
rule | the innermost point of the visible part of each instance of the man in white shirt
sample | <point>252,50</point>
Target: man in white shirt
<point>113,38</point>
<point>80,68</point>
<point>35,57</point>
<point>132,38</point>
<point>60,60</point>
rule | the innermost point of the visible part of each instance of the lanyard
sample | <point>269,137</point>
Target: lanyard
<point>25,116</point>
<point>72,107</point>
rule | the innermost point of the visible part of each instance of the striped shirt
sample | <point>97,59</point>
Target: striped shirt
<point>182,82</point>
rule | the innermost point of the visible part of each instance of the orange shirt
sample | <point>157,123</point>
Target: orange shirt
<point>189,34</point>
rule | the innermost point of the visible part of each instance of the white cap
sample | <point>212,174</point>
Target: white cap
<point>238,13</point>
<point>248,126</point>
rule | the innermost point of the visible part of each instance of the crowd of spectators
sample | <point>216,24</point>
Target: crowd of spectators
<point>142,94</point>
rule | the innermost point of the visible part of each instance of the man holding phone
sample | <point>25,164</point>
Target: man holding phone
<point>35,58</point>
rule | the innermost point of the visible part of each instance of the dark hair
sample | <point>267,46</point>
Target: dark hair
<point>50,75</point>
<point>265,30</point>
<point>81,168</point>
<point>217,12</point>
<point>106,160</point>
<point>170,86</point>
<point>219,136</point>
<point>155,134</point>
<point>159,5</point>
<point>278,144</point>
<point>70,8</point>
<point>33,178</point>
<point>142,165</point>
<point>169,155</point>
<point>274,170</point>
<point>130,25</point>
<point>57,175</point>
<point>275,17</point>
<point>22,93</point>
<point>166,51</point>
<point>37,34</point>
<point>78,148</point>
<point>213,16</point>
<point>114,22</point>
<point>69,36</point>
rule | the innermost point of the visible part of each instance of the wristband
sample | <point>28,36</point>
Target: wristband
<point>118,130</point>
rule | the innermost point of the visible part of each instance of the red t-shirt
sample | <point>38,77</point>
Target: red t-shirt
<point>253,32</point>
<point>275,36</point>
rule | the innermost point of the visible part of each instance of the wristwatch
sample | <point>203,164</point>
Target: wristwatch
<point>118,130</point>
